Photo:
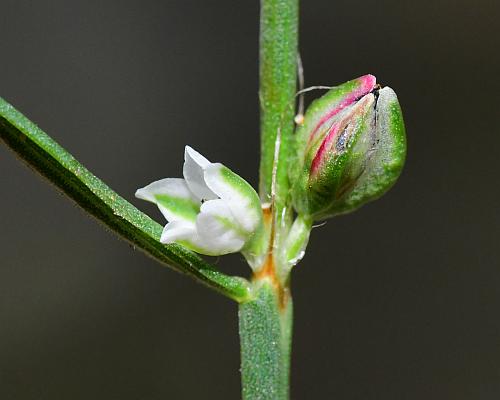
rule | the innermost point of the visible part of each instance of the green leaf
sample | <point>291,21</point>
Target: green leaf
<point>53,162</point>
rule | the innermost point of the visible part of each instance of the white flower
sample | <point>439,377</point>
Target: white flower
<point>211,211</point>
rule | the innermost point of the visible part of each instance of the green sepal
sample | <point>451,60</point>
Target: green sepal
<point>386,162</point>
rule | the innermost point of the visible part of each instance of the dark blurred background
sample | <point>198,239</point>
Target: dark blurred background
<point>400,300</point>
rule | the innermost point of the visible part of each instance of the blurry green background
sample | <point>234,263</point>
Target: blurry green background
<point>400,300</point>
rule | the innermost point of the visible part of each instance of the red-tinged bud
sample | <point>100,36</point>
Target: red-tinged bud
<point>350,149</point>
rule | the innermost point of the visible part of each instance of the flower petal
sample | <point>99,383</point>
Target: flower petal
<point>217,228</point>
<point>178,231</point>
<point>240,197</point>
<point>194,165</point>
<point>173,198</point>
<point>186,234</point>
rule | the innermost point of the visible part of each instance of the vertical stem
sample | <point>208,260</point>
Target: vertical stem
<point>278,75</point>
<point>266,333</point>
<point>266,319</point>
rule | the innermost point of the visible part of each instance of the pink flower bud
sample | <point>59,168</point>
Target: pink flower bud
<point>349,150</point>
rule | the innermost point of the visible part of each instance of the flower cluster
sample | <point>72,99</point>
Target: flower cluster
<point>349,149</point>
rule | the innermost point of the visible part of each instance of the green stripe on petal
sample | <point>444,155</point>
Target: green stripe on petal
<point>242,186</point>
<point>173,198</point>
<point>180,207</point>
<point>238,194</point>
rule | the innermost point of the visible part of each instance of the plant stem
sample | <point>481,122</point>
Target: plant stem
<point>266,333</point>
<point>266,319</point>
<point>278,75</point>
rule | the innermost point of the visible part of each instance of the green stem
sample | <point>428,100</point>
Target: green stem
<point>266,334</point>
<point>266,319</point>
<point>53,162</point>
<point>278,75</point>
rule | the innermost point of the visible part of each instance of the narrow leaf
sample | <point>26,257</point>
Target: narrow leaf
<point>48,158</point>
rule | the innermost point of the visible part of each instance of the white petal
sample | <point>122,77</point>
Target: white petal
<point>218,229</point>
<point>173,198</point>
<point>185,234</point>
<point>172,186</point>
<point>194,165</point>
<point>241,198</point>
<point>178,230</point>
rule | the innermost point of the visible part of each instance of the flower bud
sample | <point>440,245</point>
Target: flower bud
<point>350,149</point>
